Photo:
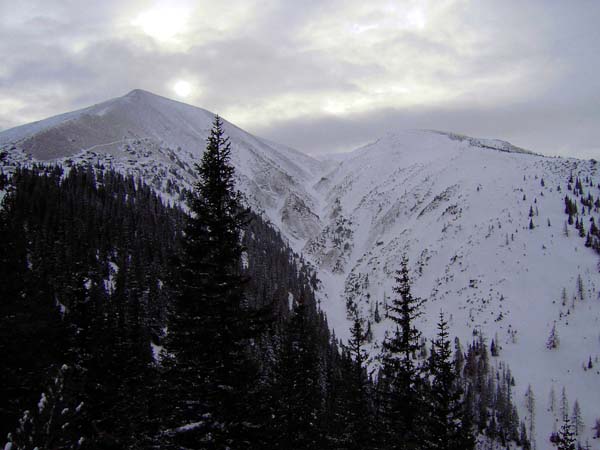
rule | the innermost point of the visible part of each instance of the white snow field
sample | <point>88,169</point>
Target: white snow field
<point>457,206</point>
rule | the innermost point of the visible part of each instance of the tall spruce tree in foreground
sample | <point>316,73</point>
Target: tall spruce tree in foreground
<point>401,381</point>
<point>209,372</point>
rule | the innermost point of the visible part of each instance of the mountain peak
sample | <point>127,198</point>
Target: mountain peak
<point>137,114</point>
<point>138,91</point>
<point>141,93</point>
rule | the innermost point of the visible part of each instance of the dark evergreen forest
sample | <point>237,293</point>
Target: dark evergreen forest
<point>130,324</point>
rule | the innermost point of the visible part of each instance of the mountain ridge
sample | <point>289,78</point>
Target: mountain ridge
<point>161,139</point>
<point>463,216</point>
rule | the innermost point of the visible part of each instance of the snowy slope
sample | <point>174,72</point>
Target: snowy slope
<point>457,206</point>
<point>160,139</point>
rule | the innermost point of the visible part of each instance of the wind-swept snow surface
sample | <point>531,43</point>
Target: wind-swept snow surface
<point>460,210</point>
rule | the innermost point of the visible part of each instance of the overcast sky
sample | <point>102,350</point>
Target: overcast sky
<point>322,75</point>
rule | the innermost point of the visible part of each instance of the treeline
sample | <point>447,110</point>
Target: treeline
<point>582,205</point>
<point>129,324</point>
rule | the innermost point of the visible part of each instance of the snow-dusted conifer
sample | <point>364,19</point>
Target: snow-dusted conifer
<point>530,407</point>
<point>566,436</point>
<point>552,400</point>
<point>577,419</point>
<point>564,403</point>
<point>447,425</point>
<point>553,341</point>
<point>400,378</point>
<point>207,359</point>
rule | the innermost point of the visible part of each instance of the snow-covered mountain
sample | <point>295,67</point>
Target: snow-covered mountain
<point>161,139</point>
<point>459,207</point>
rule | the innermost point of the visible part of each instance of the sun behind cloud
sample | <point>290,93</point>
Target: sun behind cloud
<point>182,88</point>
<point>163,23</point>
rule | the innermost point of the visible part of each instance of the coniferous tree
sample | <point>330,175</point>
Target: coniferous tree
<point>359,420</point>
<point>208,361</point>
<point>494,348</point>
<point>530,407</point>
<point>377,315</point>
<point>401,377</point>
<point>553,341</point>
<point>566,437</point>
<point>580,288</point>
<point>297,385</point>
<point>577,419</point>
<point>447,426</point>
<point>552,400</point>
<point>564,403</point>
<point>459,357</point>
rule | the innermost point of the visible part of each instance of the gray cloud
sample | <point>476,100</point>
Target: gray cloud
<point>528,126</point>
<point>321,75</point>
